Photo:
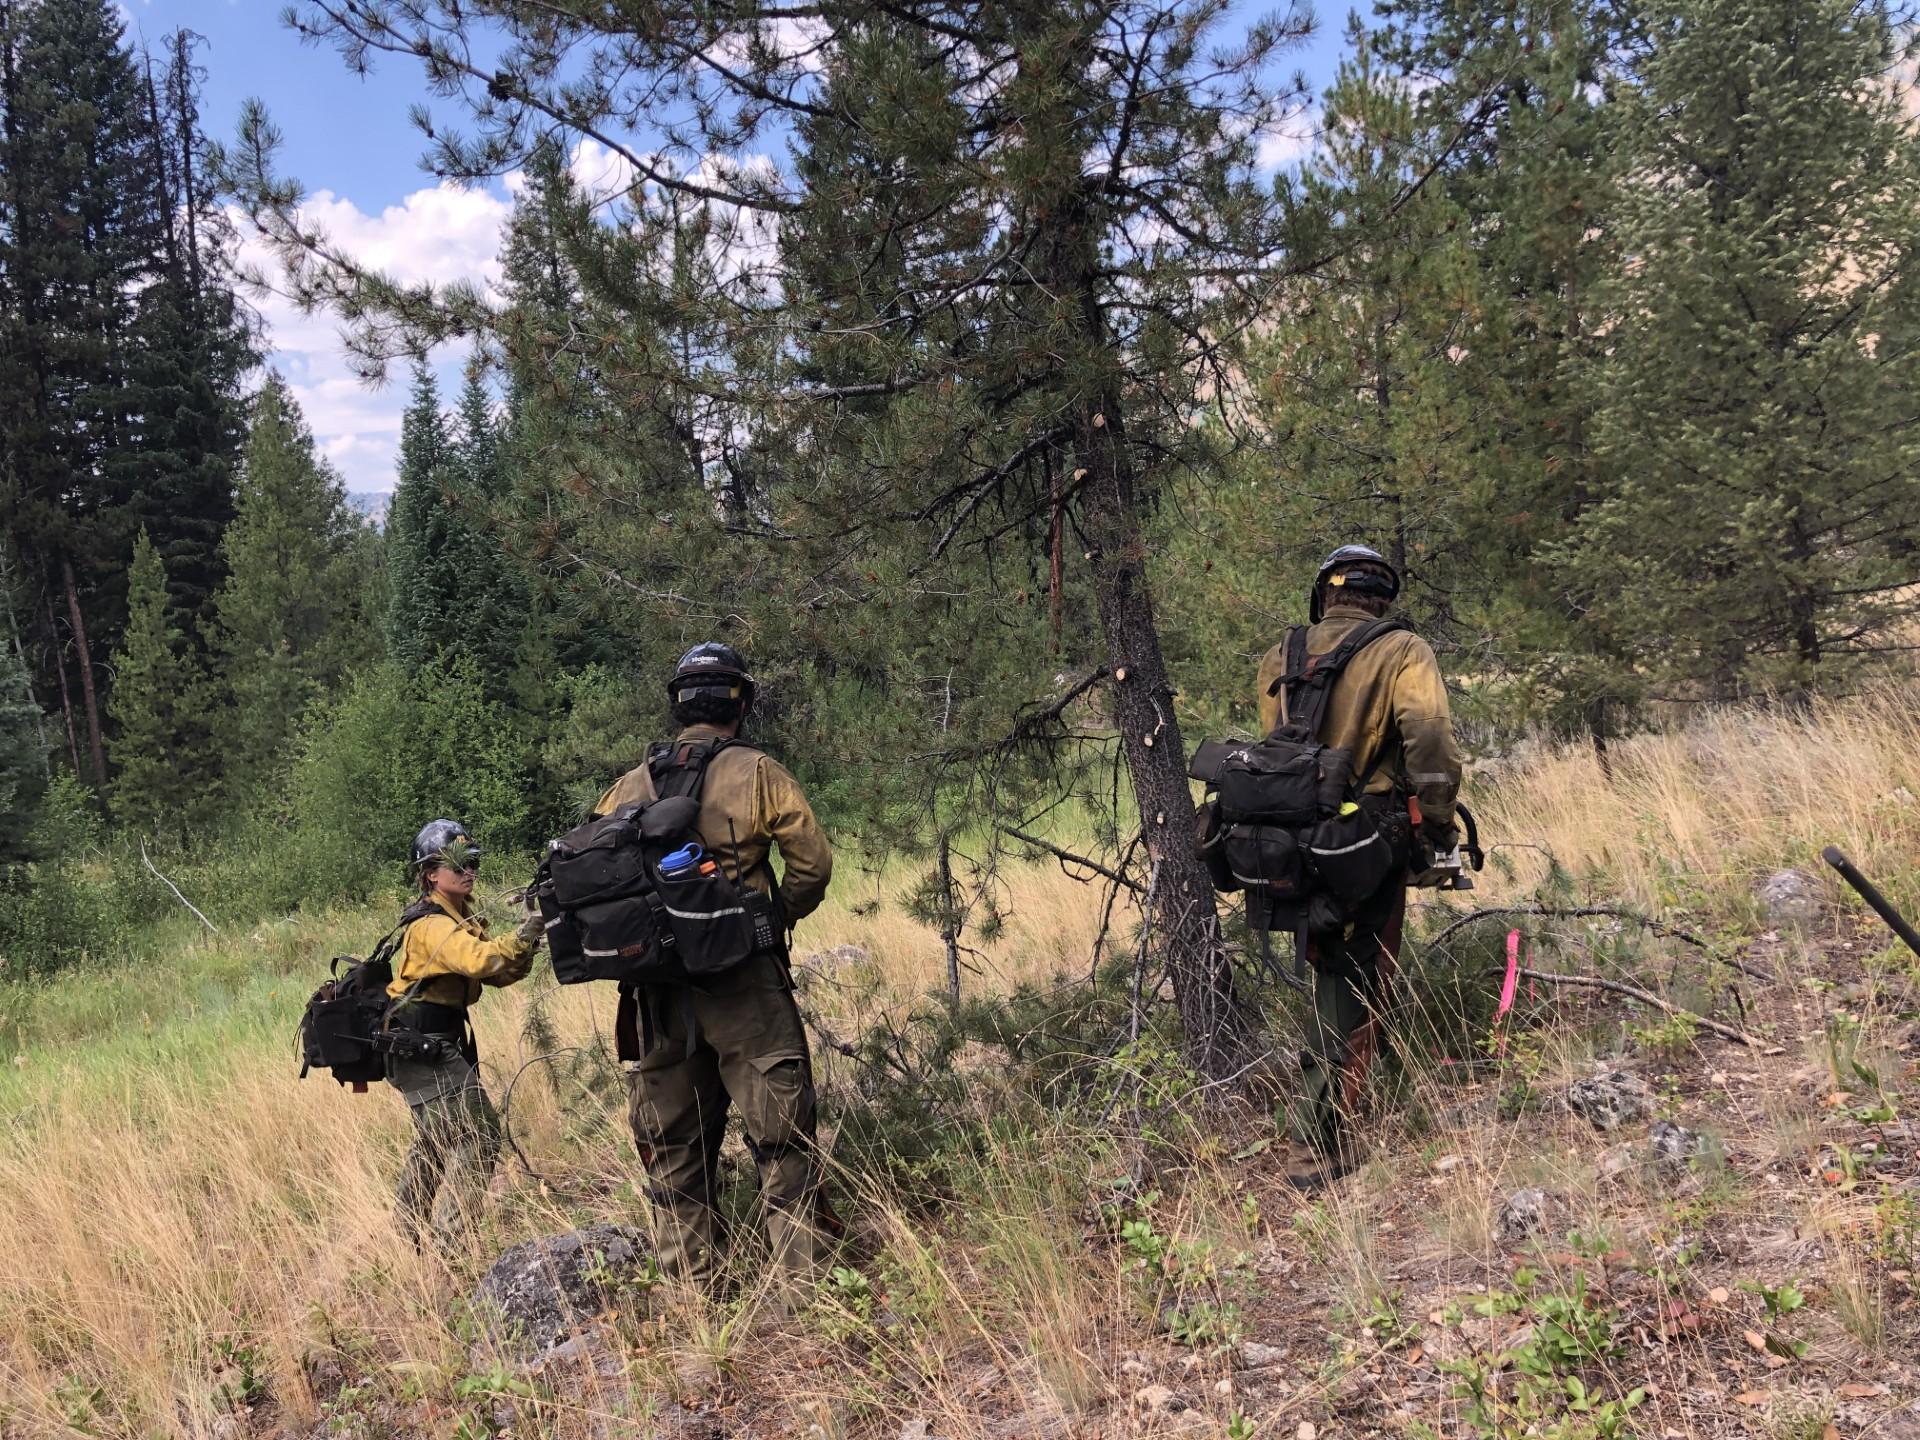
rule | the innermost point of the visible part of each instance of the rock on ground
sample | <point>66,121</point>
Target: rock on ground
<point>537,1294</point>
<point>1790,897</point>
<point>1524,1212</point>
<point>836,958</point>
<point>1610,1098</point>
<point>1675,1145</point>
<point>1252,1355</point>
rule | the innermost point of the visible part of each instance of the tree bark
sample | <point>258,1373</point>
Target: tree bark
<point>949,919</point>
<point>1222,1040</point>
<point>66,695</point>
<point>87,693</point>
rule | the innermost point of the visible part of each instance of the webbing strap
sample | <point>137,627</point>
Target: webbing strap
<point>1308,679</point>
<point>682,770</point>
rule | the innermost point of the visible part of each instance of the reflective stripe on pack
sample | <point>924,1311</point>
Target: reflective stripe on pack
<point>1346,849</point>
<point>705,914</point>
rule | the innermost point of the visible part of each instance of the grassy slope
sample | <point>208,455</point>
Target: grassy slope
<point>196,1228</point>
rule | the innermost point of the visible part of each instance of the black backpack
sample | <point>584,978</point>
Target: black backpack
<point>1284,820</point>
<point>338,1028</point>
<point>610,912</point>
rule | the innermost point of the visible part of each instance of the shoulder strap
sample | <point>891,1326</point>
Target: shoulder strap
<point>1308,679</point>
<point>390,942</point>
<point>673,775</point>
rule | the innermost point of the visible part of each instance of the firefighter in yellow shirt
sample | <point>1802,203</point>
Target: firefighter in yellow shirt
<point>445,958</point>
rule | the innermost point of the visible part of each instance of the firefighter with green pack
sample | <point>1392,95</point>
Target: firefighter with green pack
<point>445,959</point>
<point>1385,705</point>
<point>696,1049</point>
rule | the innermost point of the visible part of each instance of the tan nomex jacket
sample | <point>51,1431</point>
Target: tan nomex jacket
<point>455,957</point>
<point>750,804</point>
<point>1388,706</point>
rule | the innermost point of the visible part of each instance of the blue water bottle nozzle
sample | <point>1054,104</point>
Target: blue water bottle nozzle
<point>682,860</point>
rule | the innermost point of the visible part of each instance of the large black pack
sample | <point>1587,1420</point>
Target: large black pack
<point>1285,819</point>
<point>338,1028</point>
<point>612,912</point>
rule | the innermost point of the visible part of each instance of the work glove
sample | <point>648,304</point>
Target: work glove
<point>532,929</point>
<point>1441,835</point>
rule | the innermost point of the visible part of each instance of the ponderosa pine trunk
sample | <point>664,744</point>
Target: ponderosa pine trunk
<point>1222,1040</point>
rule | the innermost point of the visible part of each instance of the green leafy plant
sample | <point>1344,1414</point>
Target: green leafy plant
<point>1569,1332</point>
<point>241,1367</point>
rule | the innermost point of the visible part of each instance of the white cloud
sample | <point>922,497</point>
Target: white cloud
<point>797,42</point>
<point>603,174</point>
<point>436,235</point>
<point>1288,141</point>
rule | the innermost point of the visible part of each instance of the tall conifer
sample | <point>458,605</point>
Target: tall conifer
<point>157,785</point>
<point>1759,395</point>
<point>292,621</point>
<point>78,230</point>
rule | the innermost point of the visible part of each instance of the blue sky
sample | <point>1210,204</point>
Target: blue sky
<point>349,142</point>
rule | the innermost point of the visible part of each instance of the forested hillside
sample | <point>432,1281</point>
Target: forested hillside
<point>994,377</point>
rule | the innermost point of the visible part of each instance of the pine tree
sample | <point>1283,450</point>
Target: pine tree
<point>157,786</point>
<point>453,590</point>
<point>1032,230</point>
<point>491,596</point>
<point>292,622</point>
<point>78,230</point>
<point>418,599</point>
<point>193,347</point>
<point>1759,398</point>
<point>1514,111</point>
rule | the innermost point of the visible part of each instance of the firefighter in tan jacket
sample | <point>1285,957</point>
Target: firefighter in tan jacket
<point>693,1051</point>
<point>1388,707</point>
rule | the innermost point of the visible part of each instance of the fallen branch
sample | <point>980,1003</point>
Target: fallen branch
<point>215,929</point>
<point>1067,857</point>
<point>1646,997</point>
<point>1610,912</point>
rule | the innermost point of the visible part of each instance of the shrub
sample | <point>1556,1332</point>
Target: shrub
<point>386,756</point>
<point>59,908</point>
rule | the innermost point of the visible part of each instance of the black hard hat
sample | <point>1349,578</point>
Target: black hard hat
<point>711,668</point>
<point>1363,583</point>
<point>437,838</point>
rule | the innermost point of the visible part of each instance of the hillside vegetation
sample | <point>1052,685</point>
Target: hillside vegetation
<point>1050,1233</point>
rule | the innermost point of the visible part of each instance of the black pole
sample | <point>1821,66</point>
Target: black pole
<point>1873,897</point>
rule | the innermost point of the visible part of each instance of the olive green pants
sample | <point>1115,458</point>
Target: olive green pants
<point>456,1141</point>
<point>747,1047</point>
<point>1352,989</point>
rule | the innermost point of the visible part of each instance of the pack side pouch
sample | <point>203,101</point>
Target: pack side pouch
<point>597,861</point>
<point>711,919</point>
<point>1210,757</point>
<point>620,939</point>
<point>1336,776</point>
<point>667,823</point>
<point>565,947</point>
<point>338,1036</point>
<point>1276,782</point>
<point>1350,856</point>
<point>1266,857</point>
<point>1267,912</point>
<point>1209,843</point>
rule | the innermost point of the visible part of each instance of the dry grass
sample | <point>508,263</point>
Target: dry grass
<point>184,1216</point>
<point>189,1212</point>
<point>1697,814</point>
